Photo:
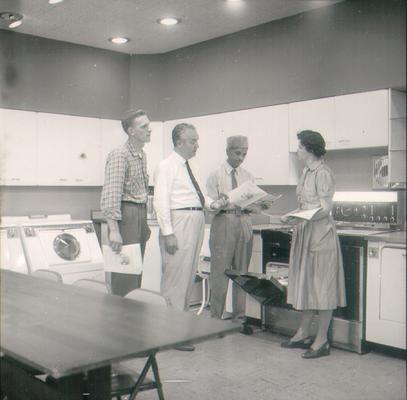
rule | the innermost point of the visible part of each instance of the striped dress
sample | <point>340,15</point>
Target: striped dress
<point>316,279</point>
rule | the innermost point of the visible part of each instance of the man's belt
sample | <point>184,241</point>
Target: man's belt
<point>236,212</point>
<point>134,203</point>
<point>189,209</point>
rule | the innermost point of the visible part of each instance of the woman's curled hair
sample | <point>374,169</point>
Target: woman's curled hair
<point>313,142</point>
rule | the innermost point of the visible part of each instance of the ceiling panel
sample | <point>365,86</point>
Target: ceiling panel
<point>92,22</point>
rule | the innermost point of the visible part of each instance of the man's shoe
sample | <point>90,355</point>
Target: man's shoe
<point>324,350</point>
<point>226,315</point>
<point>246,329</point>
<point>185,347</point>
<point>299,344</point>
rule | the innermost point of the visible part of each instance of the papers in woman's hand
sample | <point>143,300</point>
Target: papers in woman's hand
<point>128,261</point>
<point>303,214</point>
<point>249,193</point>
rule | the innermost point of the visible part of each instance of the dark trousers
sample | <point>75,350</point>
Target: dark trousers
<point>133,229</point>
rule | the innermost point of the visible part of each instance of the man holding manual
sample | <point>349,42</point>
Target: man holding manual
<point>231,234</point>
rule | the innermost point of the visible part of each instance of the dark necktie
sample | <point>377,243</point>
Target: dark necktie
<point>234,184</point>
<point>234,181</point>
<point>196,186</point>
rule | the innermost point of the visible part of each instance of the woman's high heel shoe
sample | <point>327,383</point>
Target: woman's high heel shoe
<point>299,344</point>
<point>324,350</point>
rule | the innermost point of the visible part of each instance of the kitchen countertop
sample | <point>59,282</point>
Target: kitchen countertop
<point>390,237</point>
<point>257,228</point>
<point>393,237</point>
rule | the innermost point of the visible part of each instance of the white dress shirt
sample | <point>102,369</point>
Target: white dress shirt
<point>220,181</point>
<point>173,189</point>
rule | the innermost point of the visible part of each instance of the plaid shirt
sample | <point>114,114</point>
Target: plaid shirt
<point>126,179</point>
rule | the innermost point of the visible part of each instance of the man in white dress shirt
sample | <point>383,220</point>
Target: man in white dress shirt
<point>179,204</point>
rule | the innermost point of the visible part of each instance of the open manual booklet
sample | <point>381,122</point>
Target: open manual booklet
<point>248,193</point>
<point>128,261</point>
<point>303,214</point>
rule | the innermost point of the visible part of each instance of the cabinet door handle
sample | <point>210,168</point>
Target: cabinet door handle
<point>79,180</point>
<point>344,141</point>
<point>62,179</point>
<point>15,179</point>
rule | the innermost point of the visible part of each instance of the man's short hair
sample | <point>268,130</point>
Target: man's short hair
<point>178,130</point>
<point>129,117</point>
<point>237,141</point>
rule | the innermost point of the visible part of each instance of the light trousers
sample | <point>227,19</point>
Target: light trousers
<point>179,269</point>
<point>230,242</point>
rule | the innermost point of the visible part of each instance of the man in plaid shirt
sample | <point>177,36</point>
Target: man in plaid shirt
<point>124,195</point>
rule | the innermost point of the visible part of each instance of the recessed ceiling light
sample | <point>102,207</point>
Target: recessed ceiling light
<point>119,40</point>
<point>235,3</point>
<point>13,19</point>
<point>169,21</point>
<point>55,1</point>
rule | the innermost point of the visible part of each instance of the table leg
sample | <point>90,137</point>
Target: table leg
<point>99,383</point>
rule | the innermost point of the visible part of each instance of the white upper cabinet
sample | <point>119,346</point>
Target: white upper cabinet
<point>154,149</point>
<point>361,120</point>
<point>18,147</point>
<point>268,158</point>
<point>68,150</point>
<point>112,136</point>
<point>316,115</point>
<point>354,121</point>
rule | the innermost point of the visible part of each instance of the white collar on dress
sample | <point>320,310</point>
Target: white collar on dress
<point>315,164</point>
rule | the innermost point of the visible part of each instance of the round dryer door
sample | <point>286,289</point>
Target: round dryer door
<point>67,246</point>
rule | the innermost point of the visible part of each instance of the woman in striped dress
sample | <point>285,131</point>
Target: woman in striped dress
<point>316,280</point>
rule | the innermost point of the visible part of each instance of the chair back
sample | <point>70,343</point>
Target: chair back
<point>147,296</point>
<point>47,274</point>
<point>92,285</point>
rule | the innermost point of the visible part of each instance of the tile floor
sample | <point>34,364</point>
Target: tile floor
<point>243,367</point>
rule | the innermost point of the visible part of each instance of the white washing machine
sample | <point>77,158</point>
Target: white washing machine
<point>58,243</point>
<point>12,255</point>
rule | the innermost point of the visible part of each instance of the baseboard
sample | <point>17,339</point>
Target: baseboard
<point>253,321</point>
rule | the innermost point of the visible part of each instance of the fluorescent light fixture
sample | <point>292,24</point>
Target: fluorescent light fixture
<point>55,1</point>
<point>119,40</point>
<point>13,19</point>
<point>169,21</point>
<point>372,197</point>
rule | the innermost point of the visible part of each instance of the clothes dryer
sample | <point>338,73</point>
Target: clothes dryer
<point>69,247</point>
<point>12,255</point>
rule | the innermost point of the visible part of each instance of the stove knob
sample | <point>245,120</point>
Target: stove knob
<point>371,218</point>
<point>392,219</point>
<point>385,219</point>
<point>364,216</point>
<point>378,218</point>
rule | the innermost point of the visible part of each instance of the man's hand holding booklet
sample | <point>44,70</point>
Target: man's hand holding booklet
<point>249,194</point>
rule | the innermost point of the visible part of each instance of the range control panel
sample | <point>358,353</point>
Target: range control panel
<point>363,212</point>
